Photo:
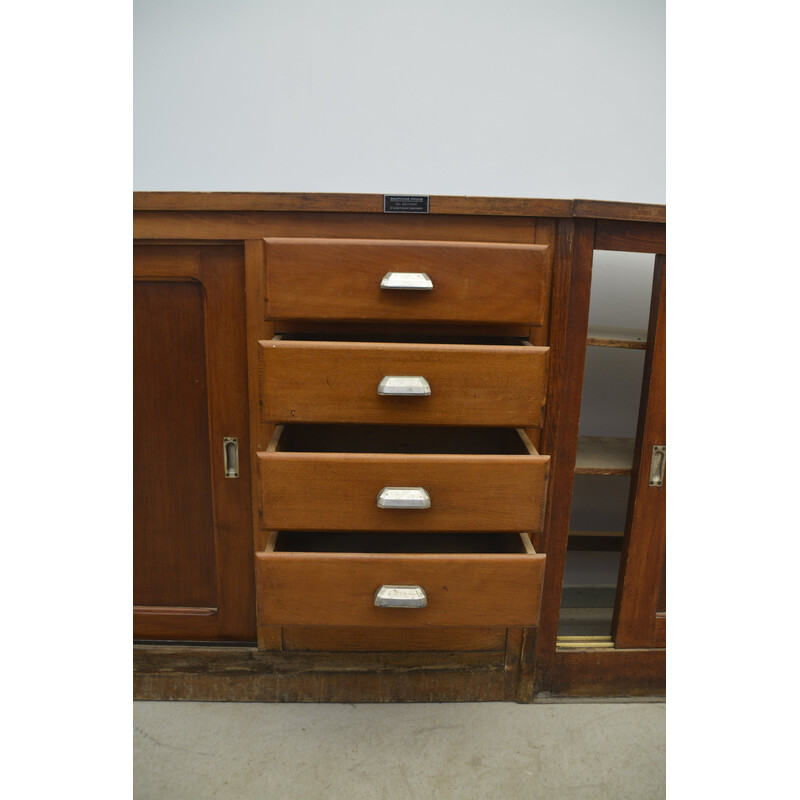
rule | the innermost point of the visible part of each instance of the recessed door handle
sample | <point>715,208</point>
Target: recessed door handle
<point>404,386</point>
<point>658,464</point>
<point>415,281</point>
<point>403,497</point>
<point>389,596</point>
<point>230,445</point>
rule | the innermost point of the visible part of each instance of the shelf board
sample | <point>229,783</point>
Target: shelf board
<point>626,338</point>
<point>604,455</point>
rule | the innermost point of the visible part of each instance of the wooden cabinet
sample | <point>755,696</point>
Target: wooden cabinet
<point>276,320</point>
<point>193,575</point>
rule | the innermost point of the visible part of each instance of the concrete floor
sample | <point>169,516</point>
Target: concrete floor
<point>454,751</point>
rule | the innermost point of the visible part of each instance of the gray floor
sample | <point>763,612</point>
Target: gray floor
<point>456,750</point>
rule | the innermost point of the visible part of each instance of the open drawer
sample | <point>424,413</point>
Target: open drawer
<point>399,580</point>
<point>387,478</point>
<point>499,382</point>
<point>408,281</point>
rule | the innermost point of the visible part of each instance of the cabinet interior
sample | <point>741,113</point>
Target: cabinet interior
<point>405,542</point>
<point>323,438</point>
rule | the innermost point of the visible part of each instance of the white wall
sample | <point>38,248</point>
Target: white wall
<point>558,98</point>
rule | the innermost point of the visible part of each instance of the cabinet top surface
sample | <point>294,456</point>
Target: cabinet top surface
<point>373,203</point>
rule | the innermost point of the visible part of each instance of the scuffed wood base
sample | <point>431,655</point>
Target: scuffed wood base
<point>249,675</point>
<point>609,673</point>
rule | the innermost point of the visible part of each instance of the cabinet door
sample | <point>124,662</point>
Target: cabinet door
<point>640,613</point>
<point>192,544</point>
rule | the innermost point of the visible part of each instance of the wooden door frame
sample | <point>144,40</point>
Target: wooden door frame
<point>637,663</point>
<point>637,621</point>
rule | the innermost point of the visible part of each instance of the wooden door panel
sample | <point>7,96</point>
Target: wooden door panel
<point>193,573</point>
<point>173,543</point>
<point>639,616</point>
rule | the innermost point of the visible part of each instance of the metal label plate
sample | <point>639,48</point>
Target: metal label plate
<point>406,203</point>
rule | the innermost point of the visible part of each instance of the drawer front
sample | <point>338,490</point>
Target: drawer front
<point>339,491</point>
<point>340,279</point>
<point>338,382</point>
<point>339,589</point>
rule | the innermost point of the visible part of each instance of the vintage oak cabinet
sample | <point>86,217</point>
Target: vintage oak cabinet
<point>355,440</point>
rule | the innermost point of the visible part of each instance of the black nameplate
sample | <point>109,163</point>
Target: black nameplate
<point>406,204</point>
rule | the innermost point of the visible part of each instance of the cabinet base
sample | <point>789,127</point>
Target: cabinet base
<point>248,675</point>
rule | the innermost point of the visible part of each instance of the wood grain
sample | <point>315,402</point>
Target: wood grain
<point>242,225</point>
<point>527,666</point>
<point>609,673</point>
<point>631,237</point>
<point>340,279</point>
<point>350,639</point>
<point>173,522</point>
<point>338,491</point>
<point>214,218</point>
<point>636,212</point>
<point>545,235</point>
<point>372,203</point>
<point>227,578</point>
<point>269,638</point>
<point>644,547</point>
<point>249,675</point>
<point>338,588</point>
<point>572,276</point>
<point>660,630</point>
<point>337,382</point>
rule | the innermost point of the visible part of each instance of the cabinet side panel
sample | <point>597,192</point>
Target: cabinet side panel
<point>174,557</point>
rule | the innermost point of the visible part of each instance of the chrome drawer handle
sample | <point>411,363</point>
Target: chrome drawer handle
<point>418,281</point>
<point>403,497</point>
<point>404,386</point>
<point>401,597</point>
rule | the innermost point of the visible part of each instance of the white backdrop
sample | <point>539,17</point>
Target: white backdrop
<point>516,98</point>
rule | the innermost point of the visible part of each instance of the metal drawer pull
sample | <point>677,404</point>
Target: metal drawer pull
<point>418,281</point>
<point>403,497</point>
<point>401,597</point>
<point>404,386</point>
